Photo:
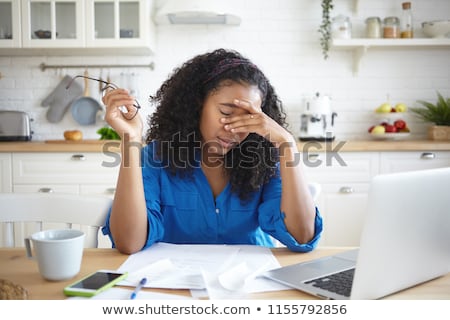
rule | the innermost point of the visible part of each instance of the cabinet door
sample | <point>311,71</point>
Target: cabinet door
<point>5,172</point>
<point>118,23</point>
<point>10,30</point>
<point>323,167</point>
<point>391,162</point>
<point>64,168</point>
<point>99,189</point>
<point>46,188</point>
<point>344,207</point>
<point>53,23</point>
<point>345,179</point>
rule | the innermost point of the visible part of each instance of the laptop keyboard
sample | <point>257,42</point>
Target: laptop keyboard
<point>340,282</point>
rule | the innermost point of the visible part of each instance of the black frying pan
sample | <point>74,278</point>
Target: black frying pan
<point>84,109</point>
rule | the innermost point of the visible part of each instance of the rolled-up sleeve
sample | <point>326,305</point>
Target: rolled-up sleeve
<point>271,219</point>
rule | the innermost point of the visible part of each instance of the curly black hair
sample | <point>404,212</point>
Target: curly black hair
<point>179,103</point>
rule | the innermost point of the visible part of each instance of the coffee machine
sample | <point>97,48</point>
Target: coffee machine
<point>317,119</point>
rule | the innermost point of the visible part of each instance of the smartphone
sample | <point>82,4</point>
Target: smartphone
<point>94,283</point>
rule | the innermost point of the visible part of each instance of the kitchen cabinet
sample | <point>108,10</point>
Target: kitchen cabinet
<point>344,178</point>
<point>413,160</point>
<point>124,23</point>
<point>66,172</point>
<point>52,23</point>
<point>80,27</point>
<point>10,28</point>
<point>5,172</point>
<point>345,186</point>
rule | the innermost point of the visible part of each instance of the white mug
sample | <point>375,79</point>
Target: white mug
<point>58,252</point>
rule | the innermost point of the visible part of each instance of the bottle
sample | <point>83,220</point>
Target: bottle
<point>373,27</point>
<point>406,21</point>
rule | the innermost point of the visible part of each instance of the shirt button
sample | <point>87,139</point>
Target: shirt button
<point>217,210</point>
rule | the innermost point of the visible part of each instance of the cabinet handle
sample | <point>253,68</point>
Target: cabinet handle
<point>78,157</point>
<point>427,155</point>
<point>346,190</point>
<point>111,190</point>
<point>45,190</point>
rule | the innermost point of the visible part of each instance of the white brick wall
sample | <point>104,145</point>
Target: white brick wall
<point>281,37</point>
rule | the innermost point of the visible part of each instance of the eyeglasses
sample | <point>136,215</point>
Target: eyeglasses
<point>127,114</point>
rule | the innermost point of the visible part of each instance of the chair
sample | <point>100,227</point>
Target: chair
<point>22,214</point>
<point>314,189</point>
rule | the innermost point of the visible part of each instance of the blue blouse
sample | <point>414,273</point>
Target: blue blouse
<point>184,211</point>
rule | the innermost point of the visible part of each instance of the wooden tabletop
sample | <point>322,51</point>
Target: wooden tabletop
<point>16,267</point>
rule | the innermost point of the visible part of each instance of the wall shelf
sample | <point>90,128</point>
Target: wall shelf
<point>360,46</point>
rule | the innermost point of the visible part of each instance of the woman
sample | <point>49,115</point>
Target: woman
<point>219,166</point>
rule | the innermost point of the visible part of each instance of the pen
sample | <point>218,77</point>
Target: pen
<point>138,288</point>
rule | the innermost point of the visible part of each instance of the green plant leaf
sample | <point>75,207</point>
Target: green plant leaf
<point>438,113</point>
<point>107,133</point>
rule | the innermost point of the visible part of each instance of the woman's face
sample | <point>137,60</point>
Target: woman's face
<point>219,104</point>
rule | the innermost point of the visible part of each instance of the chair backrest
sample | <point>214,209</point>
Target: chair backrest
<point>22,214</point>
<point>314,189</point>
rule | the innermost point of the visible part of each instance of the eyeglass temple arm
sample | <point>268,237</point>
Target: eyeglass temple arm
<point>73,79</point>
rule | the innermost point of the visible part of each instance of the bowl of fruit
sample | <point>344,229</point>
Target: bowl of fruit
<point>391,124</point>
<point>386,131</point>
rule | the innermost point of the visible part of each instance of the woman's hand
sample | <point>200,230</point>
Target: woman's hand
<point>114,100</point>
<point>256,121</point>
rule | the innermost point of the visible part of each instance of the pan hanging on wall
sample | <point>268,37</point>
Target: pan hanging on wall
<point>84,109</point>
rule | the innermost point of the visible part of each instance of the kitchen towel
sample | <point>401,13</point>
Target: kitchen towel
<point>61,98</point>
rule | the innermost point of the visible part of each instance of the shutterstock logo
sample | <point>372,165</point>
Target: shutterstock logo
<point>311,154</point>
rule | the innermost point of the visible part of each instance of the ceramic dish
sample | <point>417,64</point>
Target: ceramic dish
<point>390,116</point>
<point>436,29</point>
<point>390,136</point>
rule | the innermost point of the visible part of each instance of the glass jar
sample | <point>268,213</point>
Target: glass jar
<point>341,27</point>
<point>391,27</point>
<point>373,27</point>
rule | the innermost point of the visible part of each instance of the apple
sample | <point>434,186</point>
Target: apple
<point>384,108</point>
<point>378,130</point>
<point>393,109</point>
<point>400,124</point>
<point>390,128</point>
<point>400,107</point>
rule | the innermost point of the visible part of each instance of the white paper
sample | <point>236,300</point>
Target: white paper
<point>164,274</point>
<point>225,271</point>
<point>184,265</point>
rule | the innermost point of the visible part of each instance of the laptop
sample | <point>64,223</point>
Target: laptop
<point>405,241</point>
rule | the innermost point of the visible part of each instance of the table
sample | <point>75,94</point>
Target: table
<point>16,267</point>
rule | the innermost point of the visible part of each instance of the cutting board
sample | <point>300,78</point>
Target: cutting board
<point>83,141</point>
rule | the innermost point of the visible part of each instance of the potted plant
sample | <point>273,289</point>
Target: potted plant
<point>438,114</point>
<point>325,27</point>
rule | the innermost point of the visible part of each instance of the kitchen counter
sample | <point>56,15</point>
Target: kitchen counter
<point>311,146</point>
<point>375,145</point>
<point>61,146</point>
